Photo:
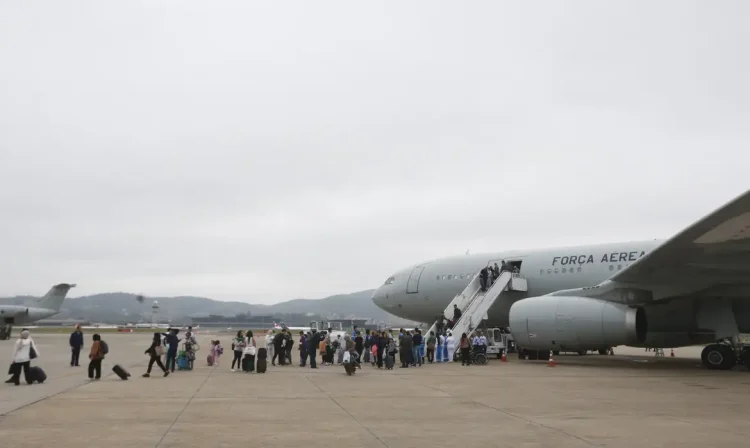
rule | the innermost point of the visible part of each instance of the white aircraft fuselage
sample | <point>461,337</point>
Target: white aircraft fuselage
<point>421,292</point>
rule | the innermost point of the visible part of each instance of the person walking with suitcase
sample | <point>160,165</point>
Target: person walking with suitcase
<point>24,350</point>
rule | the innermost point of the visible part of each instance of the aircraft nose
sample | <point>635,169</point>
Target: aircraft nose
<point>378,297</point>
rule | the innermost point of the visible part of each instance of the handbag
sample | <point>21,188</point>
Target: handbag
<point>347,357</point>
<point>32,352</point>
<point>159,350</point>
<point>250,350</point>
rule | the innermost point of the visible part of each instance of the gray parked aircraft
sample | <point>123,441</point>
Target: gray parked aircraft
<point>49,305</point>
<point>693,288</point>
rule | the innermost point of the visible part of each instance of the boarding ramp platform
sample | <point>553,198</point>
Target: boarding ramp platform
<point>474,303</point>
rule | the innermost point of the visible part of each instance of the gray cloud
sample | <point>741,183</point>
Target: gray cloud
<point>264,151</point>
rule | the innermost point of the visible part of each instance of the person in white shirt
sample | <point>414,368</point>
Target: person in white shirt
<point>24,350</point>
<point>479,342</point>
<point>269,343</point>
<point>450,344</point>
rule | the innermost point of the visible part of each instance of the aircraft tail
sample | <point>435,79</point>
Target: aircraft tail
<point>54,298</point>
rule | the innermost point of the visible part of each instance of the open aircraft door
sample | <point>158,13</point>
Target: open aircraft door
<point>412,285</point>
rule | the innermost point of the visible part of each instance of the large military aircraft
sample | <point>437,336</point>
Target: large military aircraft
<point>47,306</point>
<point>690,289</point>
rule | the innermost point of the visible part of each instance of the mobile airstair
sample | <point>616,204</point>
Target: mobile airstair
<point>474,303</point>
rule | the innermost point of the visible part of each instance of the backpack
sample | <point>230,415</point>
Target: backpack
<point>103,348</point>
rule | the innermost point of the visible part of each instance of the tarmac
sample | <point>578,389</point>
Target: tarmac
<point>630,399</point>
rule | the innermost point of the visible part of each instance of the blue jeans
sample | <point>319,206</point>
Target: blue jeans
<point>171,360</point>
<point>416,359</point>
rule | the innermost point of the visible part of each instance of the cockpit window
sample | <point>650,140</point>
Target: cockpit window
<point>390,280</point>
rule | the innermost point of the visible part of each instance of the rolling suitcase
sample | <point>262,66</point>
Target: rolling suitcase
<point>37,374</point>
<point>121,372</point>
<point>389,361</point>
<point>210,360</point>
<point>248,363</point>
<point>262,353</point>
<point>262,365</point>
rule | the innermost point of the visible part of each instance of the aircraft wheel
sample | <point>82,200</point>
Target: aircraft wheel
<point>718,357</point>
<point>582,352</point>
<point>603,351</point>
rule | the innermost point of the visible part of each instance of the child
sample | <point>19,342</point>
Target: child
<point>216,351</point>
<point>374,354</point>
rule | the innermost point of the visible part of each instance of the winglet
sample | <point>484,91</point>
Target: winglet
<point>54,298</point>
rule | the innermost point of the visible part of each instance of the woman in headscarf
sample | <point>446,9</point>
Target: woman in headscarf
<point>24,350</point>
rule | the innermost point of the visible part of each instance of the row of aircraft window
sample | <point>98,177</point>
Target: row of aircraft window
<point>541,271</point>
<point>578,269</point>
<point>455,276</point>
<point>557,270</point>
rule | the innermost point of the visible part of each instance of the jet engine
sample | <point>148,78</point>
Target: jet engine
<point>13,310</point>
<point>574,323</point>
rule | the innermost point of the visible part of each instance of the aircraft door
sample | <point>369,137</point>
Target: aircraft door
<point>412,285</point>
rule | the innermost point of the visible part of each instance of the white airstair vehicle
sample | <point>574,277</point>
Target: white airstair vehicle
<point>474,303</point>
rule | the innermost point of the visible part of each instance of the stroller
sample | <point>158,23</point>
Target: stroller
<point>186,356</point>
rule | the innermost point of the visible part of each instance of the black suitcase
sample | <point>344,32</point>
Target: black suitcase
<point>119,371</point>
<point>389,362</point>
<point>248,363</point>
<point>350,368</point>
<point>37,374</point>
<point>262,354</point>
<point>262,365</point>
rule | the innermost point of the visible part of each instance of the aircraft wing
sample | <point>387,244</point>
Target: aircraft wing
<point>714,251</point>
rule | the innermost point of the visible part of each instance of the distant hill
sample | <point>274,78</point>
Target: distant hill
<point>119,306</point>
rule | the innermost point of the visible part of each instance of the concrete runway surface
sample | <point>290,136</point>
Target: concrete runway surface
<point>630,399</point>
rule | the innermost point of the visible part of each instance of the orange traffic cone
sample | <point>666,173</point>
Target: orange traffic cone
<point>503,358</point>
<point>551,362</point>
<point>671,353</point>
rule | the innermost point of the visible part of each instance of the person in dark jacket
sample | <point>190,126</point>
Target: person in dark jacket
<point>382,343</point>
<point>155,355</point>
<point>302,349</point>
<point>312,348</point>
<point>416,357</point>
<point>456,314</point>
<point>278,348</point>
<point>76,344</point>
<point>288,347</point>
<point>173,342</point>
<point>359,345</point>
<point>405,347</point>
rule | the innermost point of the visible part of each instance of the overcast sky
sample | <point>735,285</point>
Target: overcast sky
<point>262,151</point>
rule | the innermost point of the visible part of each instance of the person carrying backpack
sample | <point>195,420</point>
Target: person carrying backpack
<point>99,350</point>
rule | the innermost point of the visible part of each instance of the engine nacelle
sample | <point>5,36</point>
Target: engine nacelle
<point>8,311</point>
<point>574,323</point>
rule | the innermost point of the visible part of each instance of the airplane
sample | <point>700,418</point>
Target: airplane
<point>690,289</point>
<point>49,305</point>
<point>283,325</point>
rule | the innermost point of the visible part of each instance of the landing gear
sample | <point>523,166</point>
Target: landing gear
<point>718,357</point>
<point>603,351</point>
<point>5,331</point>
